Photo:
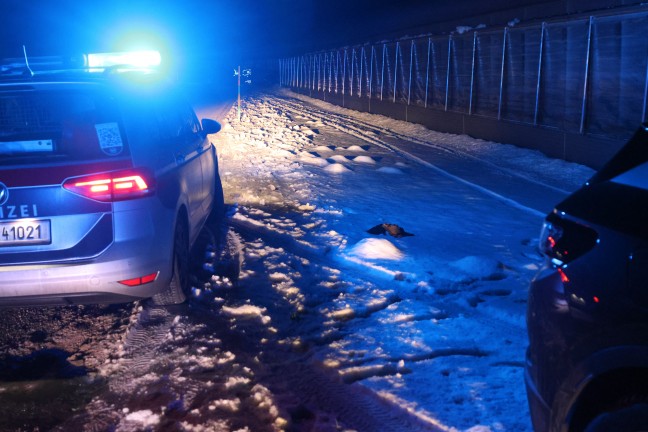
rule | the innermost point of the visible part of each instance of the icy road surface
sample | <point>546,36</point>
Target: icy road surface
<point>328,327</point>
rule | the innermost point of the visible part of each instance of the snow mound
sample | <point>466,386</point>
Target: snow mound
<point>339,158</point>
<point>390,170</point>
<point>364,160</point>
<point>372,248</point>
<point>337,168</point>
<point>322,148</point>
<point>355,148</point>
<point>312,160</point>
<point>471,268</point>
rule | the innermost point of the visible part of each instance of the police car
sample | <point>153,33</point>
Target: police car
<point>587,318</point>
<point>106,179</point>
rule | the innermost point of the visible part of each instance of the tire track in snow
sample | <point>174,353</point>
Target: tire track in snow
<point>321,391</point>
<point>141,343</point>
<point>356,406</point>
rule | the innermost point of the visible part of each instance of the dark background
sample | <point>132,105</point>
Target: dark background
<point>202,41</point>
<point>241,29</point>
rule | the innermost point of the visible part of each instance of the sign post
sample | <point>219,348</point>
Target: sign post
<point>237,73</point>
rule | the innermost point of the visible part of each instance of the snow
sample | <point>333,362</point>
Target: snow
<point>371,248</point>
<point>433,323</point>
<point>144,418</point>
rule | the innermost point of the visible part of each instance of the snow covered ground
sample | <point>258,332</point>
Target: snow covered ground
<point>432,323</point>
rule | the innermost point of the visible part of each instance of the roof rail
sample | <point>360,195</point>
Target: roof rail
<point>20,66</point>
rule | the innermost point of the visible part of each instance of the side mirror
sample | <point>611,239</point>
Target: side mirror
<point>210,126</point>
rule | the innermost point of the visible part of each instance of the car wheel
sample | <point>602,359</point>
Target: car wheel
<point>633,418</point>
<point>218,209</point>
<point>178,288</point>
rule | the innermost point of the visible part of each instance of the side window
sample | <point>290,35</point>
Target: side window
<point>190,123</point>
<point>169,122</point>
<point>177,121</point>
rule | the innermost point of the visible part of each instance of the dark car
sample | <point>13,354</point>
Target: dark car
<point>106,179</point>
<point>587,361</point>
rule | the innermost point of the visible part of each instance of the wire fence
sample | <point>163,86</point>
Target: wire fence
<point>586,75</point>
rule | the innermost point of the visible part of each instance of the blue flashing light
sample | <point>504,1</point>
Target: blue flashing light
<point>132,59</point>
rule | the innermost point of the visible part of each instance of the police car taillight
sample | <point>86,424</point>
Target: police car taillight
<point>112,186</point>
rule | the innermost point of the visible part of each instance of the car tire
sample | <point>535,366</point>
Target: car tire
<point>633,418</point>
<point>217,215</point>
<point>179,287</point>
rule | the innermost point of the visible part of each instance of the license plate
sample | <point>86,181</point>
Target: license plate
<point>25,232</point>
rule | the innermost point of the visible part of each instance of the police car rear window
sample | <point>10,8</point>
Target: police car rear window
<point>41,126</point>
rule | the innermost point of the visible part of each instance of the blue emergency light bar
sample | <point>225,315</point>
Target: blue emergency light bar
<point>124,60</point>
<point>133,59</point>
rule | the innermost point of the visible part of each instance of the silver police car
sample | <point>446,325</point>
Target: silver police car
<point>106,179</point>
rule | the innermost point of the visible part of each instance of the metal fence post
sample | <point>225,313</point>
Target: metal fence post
<point>396,69</point>
<point>332,72</point>
<point>309,69</point>
<point>472,74</point>
<point>352,70</point>
<point>362,56</point>
<point>322,72</point>
<point>448,72</point>
<point>329,56</point>
<point>585,84</point>
<point>304,72</point>
<point>409,86</point>
<point>645,101</point>
<point>501,89</point>
<point>319,72</point>
<point>427,71</point>
<point>538,83</point>
<point>344,63</point>
<point>382,78</point>
<point>371,62</point>
<point>314,72</point>
<point>337,71</point>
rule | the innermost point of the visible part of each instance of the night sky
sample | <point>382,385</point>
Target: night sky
<point>194,33</point>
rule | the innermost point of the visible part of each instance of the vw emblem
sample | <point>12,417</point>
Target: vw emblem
<point>4,194</point>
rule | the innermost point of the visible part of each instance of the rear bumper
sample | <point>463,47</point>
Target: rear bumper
<point>91,282</point>
<point>141,244</point>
